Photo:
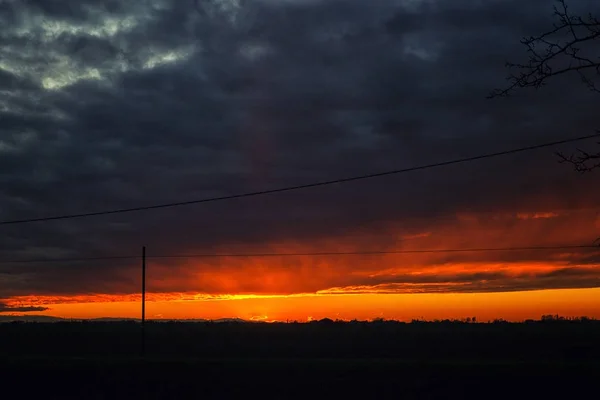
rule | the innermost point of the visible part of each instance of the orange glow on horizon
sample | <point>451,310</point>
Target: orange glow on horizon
<point>512,285</point>
<point>513,306</point>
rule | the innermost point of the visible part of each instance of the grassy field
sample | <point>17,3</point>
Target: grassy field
<point>388,360</point>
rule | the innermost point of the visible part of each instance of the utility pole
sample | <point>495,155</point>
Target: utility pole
<point>143,344</point>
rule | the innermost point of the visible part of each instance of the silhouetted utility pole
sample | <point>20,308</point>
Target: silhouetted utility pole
<point>143,301</point>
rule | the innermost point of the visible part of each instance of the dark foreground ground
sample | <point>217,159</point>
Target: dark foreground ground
<point>551,360</point>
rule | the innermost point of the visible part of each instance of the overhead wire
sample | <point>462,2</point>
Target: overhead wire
<point>302,186</point>
<point>307,254</point>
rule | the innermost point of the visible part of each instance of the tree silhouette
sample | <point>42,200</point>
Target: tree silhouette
<point>569,47</point>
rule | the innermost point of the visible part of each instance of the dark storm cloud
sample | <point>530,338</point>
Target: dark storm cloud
<point>119,104</point>
<point>4,308</point>
<point>565,278</point>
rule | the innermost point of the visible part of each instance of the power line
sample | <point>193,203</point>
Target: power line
<point>305,186</point>
<point>80,259</point>
<point>383,252</point>
<point>316,254</point>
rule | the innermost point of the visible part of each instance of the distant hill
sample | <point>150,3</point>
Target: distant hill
<point>220,320</point>
<point>29,318</point>
<point>45,318</point>
<point>110,319</point>
<point>230,320</point>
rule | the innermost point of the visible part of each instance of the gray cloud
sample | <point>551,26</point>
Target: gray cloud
<point>5,308</point>
<point>566,278</point>
<point>112,105</point>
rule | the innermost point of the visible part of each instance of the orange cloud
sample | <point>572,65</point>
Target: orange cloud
<point>416,236</point>
<point>231,280</point>
<point>436,271</point>
<point>537,215</point>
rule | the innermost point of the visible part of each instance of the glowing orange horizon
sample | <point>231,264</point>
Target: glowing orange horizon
<point>512,306</point>
<point>488,285</point>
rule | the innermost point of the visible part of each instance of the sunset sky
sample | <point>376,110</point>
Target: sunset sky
<point>116,104</point>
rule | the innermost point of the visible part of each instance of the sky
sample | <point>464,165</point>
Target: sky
<point>113,104</point>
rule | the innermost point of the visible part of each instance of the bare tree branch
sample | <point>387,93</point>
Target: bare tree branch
<point>582,161</point>
<point>566,48</point>
<point>550,54</point>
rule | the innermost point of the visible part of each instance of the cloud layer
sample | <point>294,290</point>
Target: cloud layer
<point>117,104</point>
<point>20,309</point>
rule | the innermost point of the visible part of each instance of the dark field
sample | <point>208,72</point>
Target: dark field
<point>316,360</point>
